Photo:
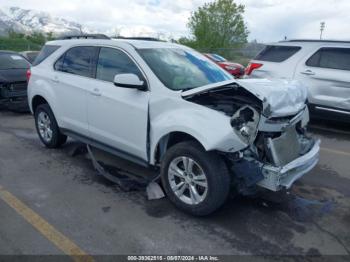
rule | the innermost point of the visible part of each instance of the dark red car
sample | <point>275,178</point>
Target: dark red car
<point>237,70</point>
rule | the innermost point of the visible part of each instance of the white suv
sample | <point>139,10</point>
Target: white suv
<point>165,105</point>
<point>323,66</point>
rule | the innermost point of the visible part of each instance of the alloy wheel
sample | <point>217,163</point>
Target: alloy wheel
<point>187,180</point>
<point>44,126</point>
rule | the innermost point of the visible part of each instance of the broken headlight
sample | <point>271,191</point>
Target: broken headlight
<point>245,123</point>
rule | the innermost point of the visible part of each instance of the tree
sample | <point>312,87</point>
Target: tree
<point>50,36</point>
<point>37,38</point>
<point>218,24</point>
<point>187,41</point>
<point>12,34</point>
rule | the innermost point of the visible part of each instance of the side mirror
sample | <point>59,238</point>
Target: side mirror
<point>130,81</point>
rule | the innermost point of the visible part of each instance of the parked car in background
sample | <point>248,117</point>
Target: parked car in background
<point>13,81</point>
<point>235,69</point>
<point>30,55</point>
<point>165,106</point>
<point>323,66</point>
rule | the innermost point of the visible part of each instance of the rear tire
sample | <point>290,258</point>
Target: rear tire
<point>47,127</point>
<point>195,180</point>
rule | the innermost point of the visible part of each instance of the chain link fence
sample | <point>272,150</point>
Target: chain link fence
<point>240,55</point>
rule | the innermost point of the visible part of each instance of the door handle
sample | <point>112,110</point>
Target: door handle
<point>308,72</point>
<point>55,79</point>
<point>96,92</point>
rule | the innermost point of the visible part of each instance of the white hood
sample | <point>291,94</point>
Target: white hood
<point>279,97</point>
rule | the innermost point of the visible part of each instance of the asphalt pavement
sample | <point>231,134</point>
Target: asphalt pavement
<point>52,201</point>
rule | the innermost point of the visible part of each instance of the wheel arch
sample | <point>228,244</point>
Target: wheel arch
<point>37,100</point>
<point>168,140</point>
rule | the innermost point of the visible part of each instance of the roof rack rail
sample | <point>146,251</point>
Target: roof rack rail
<point>84,36</point>
<point>316,40</point>
<point>144,38</point>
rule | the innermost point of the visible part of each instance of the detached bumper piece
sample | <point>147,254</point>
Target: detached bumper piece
<point>276,178</point>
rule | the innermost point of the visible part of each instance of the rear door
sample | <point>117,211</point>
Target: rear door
<point>118,116</point>
<point>326,73</point>
<point>73,76</point>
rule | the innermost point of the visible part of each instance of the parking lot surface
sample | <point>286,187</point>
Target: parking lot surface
<point>51,201</point>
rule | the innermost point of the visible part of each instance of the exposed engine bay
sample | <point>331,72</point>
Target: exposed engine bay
<point>227,99</point>
<point>237,103</point>
<point>272,142</point>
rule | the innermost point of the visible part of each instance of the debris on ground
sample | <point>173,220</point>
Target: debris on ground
<point>126,180</point>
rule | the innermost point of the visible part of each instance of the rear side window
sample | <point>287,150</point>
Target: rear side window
<point>45,52</point>
<point>111,62</point>
<point>78,61</point>
<point>331,57</point>
<point>272,53</point>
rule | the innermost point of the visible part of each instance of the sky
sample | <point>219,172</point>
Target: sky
<point>267,20</point>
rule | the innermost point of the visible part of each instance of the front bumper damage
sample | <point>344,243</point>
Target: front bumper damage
<point>276,178</point>
<point>281,153</point>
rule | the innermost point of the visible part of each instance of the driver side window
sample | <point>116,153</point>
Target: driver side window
<point>113,61</point>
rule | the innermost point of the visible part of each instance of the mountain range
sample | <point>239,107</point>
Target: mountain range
<point>27,21</point>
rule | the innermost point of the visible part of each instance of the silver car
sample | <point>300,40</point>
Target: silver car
<point>322,66</point>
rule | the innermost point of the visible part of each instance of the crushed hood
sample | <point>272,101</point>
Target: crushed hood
<point>279,97</point>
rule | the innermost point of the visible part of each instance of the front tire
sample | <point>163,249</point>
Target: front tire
<point>195,180</point>
<point>47,128</point>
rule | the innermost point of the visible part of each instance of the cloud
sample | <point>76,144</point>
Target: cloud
<point>267,20</point>
<point>271,20</point>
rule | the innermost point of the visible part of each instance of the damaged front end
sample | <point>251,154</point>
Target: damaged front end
<point>272,124</point>
<point>282,152</point>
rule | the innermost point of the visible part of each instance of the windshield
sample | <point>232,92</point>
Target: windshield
<point>12,61</point>
<point>217,58</point>
<point>180,69</point>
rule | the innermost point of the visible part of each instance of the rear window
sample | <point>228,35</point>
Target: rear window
<point>217,58</point>
<point>272,53</point>
<point>31,56</point>
<point>12,61</point>
<point>331,57</point>
<point>46,51</point>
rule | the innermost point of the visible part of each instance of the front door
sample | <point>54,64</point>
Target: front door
<point>118,116</point>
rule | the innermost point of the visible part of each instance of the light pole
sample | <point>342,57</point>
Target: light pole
<point>323,24</point>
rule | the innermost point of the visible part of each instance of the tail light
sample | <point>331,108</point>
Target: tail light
<point>28,75</point>
<point>251,67</point>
